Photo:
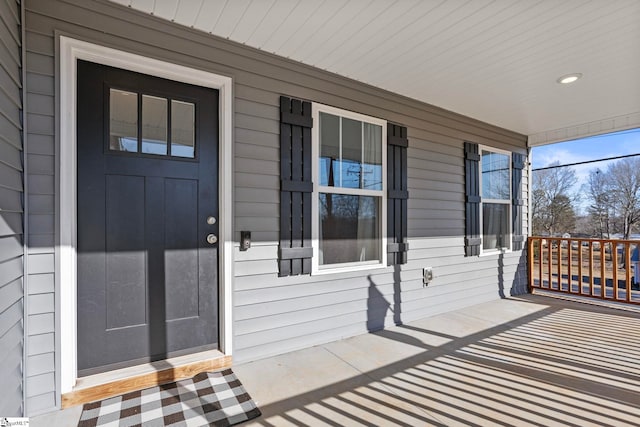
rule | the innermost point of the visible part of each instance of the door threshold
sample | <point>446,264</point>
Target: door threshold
<point>120,381</point>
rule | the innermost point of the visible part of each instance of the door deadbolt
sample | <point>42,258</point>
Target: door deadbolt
<point>211,239</point>
<point>211,220</point>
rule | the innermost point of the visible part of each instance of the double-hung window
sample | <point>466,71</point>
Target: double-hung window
<point>349,198</point>
<point>495,180</point>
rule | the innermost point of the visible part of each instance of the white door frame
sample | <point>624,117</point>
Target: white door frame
<point>70,51</point>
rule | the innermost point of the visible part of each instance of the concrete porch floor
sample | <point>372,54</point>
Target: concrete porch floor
<point>532,360</point>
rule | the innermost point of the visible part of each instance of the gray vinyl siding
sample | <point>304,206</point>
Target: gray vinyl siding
<point>11,211</point>
<point>271,314</point>
<point>40,160</point>
<point>279,314</point>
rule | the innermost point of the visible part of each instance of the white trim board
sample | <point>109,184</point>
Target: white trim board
<point>585,130</point>
<point>70,51</point>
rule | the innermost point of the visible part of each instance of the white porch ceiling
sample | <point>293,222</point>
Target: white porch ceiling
<point>493,60</point>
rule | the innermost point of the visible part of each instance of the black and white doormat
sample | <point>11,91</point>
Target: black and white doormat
<point>208,399</point>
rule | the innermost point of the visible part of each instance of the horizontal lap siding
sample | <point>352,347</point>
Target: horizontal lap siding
<point>274,315</point>
<point>277,314</point>
<point>271,314</point>
<point>40,159</point>
<point>257,174</point>
<point>11,212</point>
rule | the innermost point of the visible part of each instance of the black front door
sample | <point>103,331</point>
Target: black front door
<point>147,218</point>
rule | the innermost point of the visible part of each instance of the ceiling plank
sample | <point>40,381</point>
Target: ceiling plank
<point>187,12</point>
<point>230,17</point>
<point>496,61</point>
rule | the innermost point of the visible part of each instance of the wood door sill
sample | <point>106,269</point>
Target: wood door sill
<point>114,383</point>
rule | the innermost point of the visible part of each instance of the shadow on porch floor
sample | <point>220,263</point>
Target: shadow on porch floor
<point>532,360</point>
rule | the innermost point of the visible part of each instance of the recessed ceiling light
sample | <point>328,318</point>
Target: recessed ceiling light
<point>569,78</point>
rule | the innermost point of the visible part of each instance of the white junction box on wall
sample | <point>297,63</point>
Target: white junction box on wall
<point>427,275</point>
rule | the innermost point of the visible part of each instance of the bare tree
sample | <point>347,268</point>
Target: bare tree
<point>623,186</point>
<point>601,208</point>
<point>553,201</point>
<point>562,214</point>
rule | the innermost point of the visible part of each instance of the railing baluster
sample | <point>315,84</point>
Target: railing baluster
<point>580,267</point>
<point>603,262</point>
<point>550,260</point>
<point>591,290</point>
<point>559,247</point>
<point>614,269</point>
<point>569,262</point>
<point>540,258</point>
<point>530,263</point>
<point>627,271</point>
<point>634,275</point>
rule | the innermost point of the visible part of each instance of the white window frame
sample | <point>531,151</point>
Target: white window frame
<point>316,109</point>
<point>507,202</point>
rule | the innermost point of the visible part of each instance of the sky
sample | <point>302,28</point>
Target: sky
<point>591,148</point>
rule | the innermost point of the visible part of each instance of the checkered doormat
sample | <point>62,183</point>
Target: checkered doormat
<point>208,399</point>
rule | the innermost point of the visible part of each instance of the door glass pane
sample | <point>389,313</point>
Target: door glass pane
<point>351,153</point>
<point>372,157</point>
<point>329,150</point>
<point>154,125</point>
<point>349,228</point>
<point>495,176</point>
<point>123,120</point>
<point>495,228</point>
<point>182,129</point>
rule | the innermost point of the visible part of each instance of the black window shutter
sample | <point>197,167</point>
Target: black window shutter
<point>397,195</point>
<point>472,201</point>
<point>516,194</point>
<point>295,187</point>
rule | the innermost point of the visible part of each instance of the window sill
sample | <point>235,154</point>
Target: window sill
<point>495,252</point>
<point>347,269</point>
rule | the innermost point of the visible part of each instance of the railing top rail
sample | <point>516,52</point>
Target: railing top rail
<point>583,239</point>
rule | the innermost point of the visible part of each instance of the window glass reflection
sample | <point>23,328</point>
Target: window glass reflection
<point>182,129</point>
<point>123,120</point>
<point>154,125</point>
<point>329,150</point>
<point>350,153</point>
<point>349,228</point>
<point>495,176</point>
<point>372,157</point>
<point>495,227</point>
